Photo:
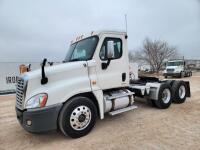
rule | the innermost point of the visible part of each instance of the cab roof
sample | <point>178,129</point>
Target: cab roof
<point>93,33</point>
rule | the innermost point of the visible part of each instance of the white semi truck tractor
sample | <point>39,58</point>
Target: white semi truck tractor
<point>177,68</point>
<point>93,80</point>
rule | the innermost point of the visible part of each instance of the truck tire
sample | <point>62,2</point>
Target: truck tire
<point>77,117</point>
<point>181,75</point>
<point>188,74</point>
<point>170,82</point>
<point>179,89</point>
<point>164,96</point>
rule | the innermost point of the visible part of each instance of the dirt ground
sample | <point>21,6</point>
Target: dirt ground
<point>144,128</point>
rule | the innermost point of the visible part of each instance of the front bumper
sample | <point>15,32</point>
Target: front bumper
<point>39,119</point>
<point>171,74</point>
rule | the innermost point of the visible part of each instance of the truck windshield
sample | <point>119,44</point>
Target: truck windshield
<point>174,63</point>
<point>82,50</point>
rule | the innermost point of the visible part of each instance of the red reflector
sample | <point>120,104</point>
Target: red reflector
<point>44,100</point>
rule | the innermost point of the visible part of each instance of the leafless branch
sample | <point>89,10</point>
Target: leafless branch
<point>154,53</point>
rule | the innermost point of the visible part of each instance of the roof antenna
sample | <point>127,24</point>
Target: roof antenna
<point>126,36</point>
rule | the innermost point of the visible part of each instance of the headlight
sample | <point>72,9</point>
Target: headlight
<point>37,101</point>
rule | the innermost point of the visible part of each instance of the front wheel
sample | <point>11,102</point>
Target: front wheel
<point>164,96</point>
<point>77,117</point>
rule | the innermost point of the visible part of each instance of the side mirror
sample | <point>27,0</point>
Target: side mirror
<point>110,49</point>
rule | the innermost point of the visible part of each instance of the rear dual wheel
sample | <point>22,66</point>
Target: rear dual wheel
<point>179,95</point>
<point>164,97</point>
<point>189,74</point>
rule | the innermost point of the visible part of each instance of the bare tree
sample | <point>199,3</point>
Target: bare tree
<point>155,53</point>
<point>134,56</point>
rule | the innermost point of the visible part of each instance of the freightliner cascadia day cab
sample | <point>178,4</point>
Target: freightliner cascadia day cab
<point>177,68</point>
<point>93,80</point>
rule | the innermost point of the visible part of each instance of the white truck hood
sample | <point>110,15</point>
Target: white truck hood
<point>56,69</point>
<point>63,81</point>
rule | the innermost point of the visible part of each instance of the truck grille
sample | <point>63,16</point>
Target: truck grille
<point>20,93</point>
<point>170,70</point>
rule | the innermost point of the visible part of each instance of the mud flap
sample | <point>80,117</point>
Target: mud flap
<point>188,93</point>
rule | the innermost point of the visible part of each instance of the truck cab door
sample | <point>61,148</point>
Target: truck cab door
<point>112,72</point>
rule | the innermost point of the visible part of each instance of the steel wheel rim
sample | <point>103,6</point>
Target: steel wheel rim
<point>166,96</point>
<point>182,91</point>
<point>80,117</point>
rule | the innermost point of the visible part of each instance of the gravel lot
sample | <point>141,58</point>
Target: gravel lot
<point>144,128</point>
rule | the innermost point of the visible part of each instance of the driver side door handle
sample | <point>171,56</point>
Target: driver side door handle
<point>123,77</point>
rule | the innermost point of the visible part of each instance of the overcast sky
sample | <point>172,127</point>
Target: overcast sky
<point>33,29</point>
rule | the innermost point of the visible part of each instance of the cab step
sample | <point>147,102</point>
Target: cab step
<point>119,111</point>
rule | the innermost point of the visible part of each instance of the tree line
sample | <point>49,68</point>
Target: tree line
<point>154,53</point>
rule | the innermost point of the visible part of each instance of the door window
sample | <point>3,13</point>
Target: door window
<point>117,48</point>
